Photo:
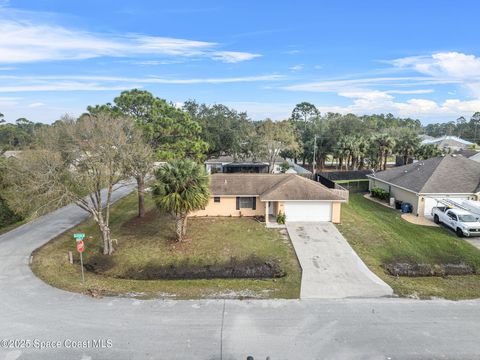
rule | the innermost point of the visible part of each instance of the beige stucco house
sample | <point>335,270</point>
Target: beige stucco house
<point>426,183</point>
<point>299,198</point>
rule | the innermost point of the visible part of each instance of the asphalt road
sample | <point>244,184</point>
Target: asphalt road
<point>34,313</point>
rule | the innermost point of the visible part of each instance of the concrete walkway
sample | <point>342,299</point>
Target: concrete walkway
<point>330,267</point>
<point>475,241</point>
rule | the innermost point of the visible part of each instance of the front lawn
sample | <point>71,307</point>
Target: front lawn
<point>145,250</point>
<point>380,236</point>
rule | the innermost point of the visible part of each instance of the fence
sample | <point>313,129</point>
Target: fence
<point>341,191</point>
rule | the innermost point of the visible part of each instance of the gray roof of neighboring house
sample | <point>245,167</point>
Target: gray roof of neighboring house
<point>226,159</point>
<point>448,174</point>
<point>271,187</point>
<point>446,138</point>
<point>468,153</point>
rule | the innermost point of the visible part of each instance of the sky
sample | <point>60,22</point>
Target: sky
<point>418,59</point>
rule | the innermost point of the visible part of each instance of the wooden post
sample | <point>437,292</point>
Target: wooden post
<point>70,257</point>
<point>266,212</point>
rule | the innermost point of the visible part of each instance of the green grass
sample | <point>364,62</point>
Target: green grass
<point>141,244</point>
<point>379,235</point>
<point>351,181</point>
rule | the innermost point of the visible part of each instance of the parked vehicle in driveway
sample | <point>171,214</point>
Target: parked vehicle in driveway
<point>460,221</point>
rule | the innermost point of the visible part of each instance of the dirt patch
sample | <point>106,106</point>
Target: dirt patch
<point>135,221</point>
<point>250,268</point>
<point>415,270</point>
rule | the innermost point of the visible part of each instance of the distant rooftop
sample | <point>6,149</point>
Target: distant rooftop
<point>227,159</point>
<point>426,141</point>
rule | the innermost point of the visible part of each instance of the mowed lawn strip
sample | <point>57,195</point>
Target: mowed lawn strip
<point>143,243</point>
<point>379,235</point>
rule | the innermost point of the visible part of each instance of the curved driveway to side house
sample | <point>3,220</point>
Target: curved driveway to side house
<point>215,329</point>
<point>330,267</point>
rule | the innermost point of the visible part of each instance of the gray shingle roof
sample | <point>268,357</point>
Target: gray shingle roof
<point>448,174</point>
<point>270,187</point>
<point>226,159</point>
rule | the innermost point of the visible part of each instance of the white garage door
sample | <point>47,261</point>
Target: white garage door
<point>431,202</point>
<point>308,211</point>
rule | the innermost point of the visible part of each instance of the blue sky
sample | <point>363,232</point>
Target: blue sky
<point>419,59</point>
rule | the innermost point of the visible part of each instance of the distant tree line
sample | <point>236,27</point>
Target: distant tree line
<point>140,128</point>
<point>463,128</point>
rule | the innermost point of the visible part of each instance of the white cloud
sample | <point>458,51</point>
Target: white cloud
<point>25,41</point>
<point>8,101</point>
<point>419,91</point>
<point>297,67</point>
<point>233,56</point>
<point>338,85</point>
<point>378,101</point>
<point>36,105</point>
<point>63,86</point>
<point>448,64</point>
<point>14,83</point>
<point>376,94</point>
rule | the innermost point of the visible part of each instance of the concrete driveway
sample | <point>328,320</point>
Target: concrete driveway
<point>330,267</point>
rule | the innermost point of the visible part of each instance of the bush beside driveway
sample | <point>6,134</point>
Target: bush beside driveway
<point>380,236</point>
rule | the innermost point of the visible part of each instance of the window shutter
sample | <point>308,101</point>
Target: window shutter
<point>254,203</point>
<point>238,203</point>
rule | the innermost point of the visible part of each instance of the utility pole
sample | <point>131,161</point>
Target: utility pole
<point>314,155</point>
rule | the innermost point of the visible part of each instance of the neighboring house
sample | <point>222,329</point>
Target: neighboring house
<point>298,169</point>
<point>448,142</point>
<point>268,195</point>
<point>228,164</point>
<point>469,154</point>
<point>425,182</point>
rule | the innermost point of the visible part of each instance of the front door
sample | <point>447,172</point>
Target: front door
<point>270,208</point>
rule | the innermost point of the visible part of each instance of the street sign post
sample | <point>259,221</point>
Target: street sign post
<point>80,248</point>
<point>79,236</point>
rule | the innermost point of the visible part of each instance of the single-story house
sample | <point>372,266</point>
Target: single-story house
<point>229,164</point>
<point>425,182</point>
<point>268,195</point>
<point>448,142</point>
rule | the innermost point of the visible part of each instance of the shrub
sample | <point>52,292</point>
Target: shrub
<point>284,166</point>
<point>281,218</point>
<point>380,193</point>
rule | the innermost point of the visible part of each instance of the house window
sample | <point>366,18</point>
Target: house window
<point>216,199</point>
<point>246,203</point>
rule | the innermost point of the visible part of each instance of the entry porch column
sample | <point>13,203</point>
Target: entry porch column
<point>267,204</point>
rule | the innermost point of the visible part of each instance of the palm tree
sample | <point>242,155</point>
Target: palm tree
<point>181,187</point>
<point>385,144</point>
<point>343,151</point>
<point>406,145</point>
<point>427,151</point>
<point>363,144</point>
